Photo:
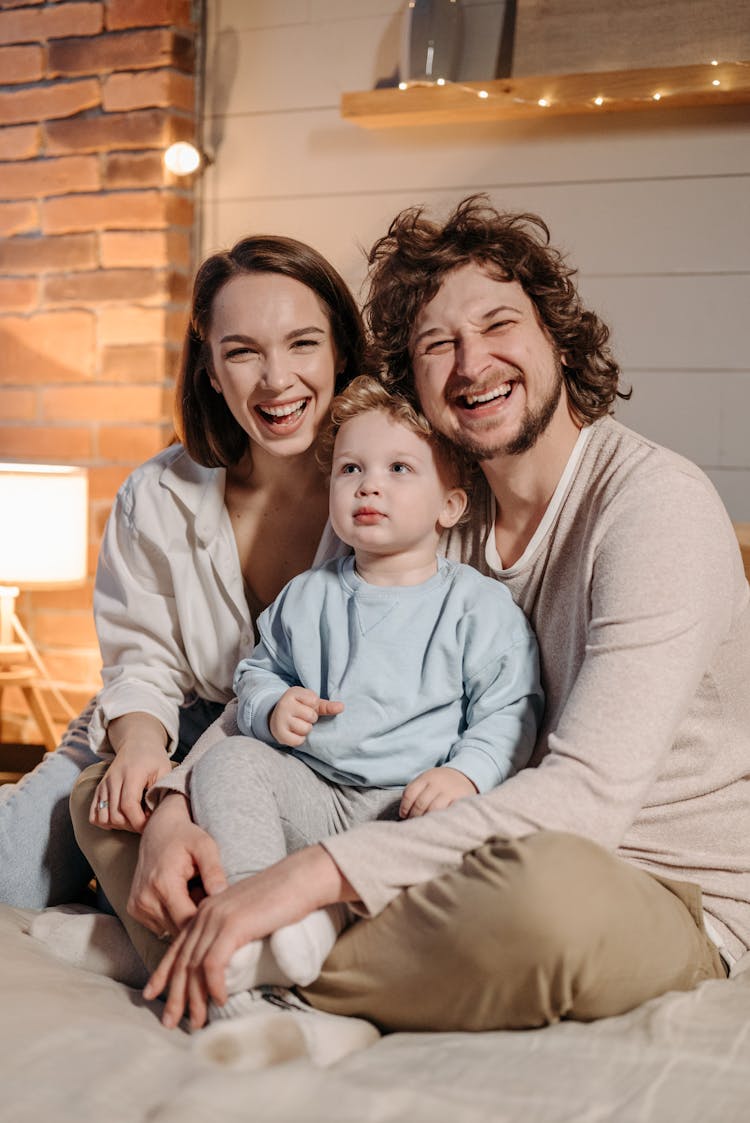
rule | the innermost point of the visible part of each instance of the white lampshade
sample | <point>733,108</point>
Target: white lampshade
<point>43,525</point>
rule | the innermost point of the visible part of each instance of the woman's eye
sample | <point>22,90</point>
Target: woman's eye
<point>238,353</point>
<point>498,325</point>
<point>305,344</point>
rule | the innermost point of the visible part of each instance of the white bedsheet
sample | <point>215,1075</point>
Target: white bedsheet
<point>78,1047</point>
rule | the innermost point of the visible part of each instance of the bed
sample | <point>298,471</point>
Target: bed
<point>76,1046</point>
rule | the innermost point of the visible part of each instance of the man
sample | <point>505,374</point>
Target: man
<point>616,869</point>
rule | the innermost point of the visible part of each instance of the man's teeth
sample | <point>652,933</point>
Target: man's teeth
<point>283,411</point>
<point>481,399</point>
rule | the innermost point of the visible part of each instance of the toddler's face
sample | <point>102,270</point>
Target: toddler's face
<point>388,495</point>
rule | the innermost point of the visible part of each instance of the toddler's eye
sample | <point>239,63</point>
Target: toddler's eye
<point>348,469</point>
<point>400,468</point>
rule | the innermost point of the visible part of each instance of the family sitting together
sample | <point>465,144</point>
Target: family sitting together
<point>425,682</point>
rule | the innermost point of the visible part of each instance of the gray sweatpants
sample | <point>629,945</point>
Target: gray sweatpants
<point>260,804</point>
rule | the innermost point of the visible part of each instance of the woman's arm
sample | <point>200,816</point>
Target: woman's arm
<point>193,968</point>
<point>139,742</point>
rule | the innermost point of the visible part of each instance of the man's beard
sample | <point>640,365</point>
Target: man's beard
<point>533,424</point>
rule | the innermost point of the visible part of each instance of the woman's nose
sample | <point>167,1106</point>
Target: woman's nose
<point>276,375</point>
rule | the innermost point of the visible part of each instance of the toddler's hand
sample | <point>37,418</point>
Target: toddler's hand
<point>295,714</point>
<point>433,790</point>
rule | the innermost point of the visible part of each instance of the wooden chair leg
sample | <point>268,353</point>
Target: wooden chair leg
<point>39,709</point>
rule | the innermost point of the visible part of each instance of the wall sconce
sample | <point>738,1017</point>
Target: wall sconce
<point>183,158</point>
<point>44,519</point>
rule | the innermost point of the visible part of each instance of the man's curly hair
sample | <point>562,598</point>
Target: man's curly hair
<point>408,265</point>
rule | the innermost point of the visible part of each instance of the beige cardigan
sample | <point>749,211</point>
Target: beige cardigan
<point>642,610</point>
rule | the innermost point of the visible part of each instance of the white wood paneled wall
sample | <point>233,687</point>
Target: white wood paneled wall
<point>653,207</point>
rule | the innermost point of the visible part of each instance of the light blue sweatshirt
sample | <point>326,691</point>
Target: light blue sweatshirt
<point>441,673</point>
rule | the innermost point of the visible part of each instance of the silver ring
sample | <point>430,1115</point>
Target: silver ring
<point>102,804</point>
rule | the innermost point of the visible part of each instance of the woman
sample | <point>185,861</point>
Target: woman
<point>201,538</point>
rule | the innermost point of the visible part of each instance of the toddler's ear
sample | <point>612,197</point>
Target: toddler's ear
<point>456,502</point>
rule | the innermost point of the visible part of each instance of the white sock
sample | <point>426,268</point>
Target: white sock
<point>251,1032</point>
<point>301,949</point>
<point>92,940</point>
<point>254,964</point>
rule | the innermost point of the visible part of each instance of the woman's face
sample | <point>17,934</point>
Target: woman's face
<point>274,359</point>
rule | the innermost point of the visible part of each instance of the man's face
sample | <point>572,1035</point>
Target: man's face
<point>486,373</point>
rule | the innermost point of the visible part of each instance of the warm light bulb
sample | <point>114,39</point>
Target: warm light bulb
<point>714,62</point>
<point>182,158</point>
<point>716,82</point>
<point>657,97</point>
<point>598,101</point>
<point>543,102</point>
<point>402,85</point>
<point>441,81</point>
<point>483,94</point>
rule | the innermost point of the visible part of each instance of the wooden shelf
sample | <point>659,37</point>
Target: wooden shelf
<point>610,91</point>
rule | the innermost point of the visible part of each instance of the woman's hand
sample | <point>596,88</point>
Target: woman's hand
<point>139,742</point>
<point>193,968</point>
<point>172,854</point>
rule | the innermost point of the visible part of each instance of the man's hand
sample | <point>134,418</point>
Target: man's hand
<point>117,803</point>
<point>173,852</point>
<point>295,714</point>
<point>433,790</point>
<point>193,968</point>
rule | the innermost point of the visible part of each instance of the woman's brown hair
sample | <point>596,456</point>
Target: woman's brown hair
<point>203,421</point>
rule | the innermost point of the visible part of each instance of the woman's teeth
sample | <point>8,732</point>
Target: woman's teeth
<point>283,413</point>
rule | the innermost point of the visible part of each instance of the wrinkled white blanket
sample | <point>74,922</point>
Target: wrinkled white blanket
<point>76,1047</point>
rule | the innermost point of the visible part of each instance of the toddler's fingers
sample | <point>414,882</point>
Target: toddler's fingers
<point>328,708</point>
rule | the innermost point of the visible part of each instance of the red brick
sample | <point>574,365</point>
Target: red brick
<point>50,23</point>
<point>43,103</point>
<point>41,255</point>
<point>138,169</point>
<point>142,13</point>
<point>123,210</point>
<point>79,671</point>
<point>153,247</point>
<point>65,629</point>
<point>104,483</point>
<point>147,128</point>
<point>129,50</point>
<point>48,443</point>
<point>18,218</point>
<point>149,87</point>
<point>106,285</point>
<point>104,403</point>
<point>180,210</point>
<point>48,347</point>
<point>131,325</point>
<point>133,443</point>
<point>134,363</point>
<point>18,295</point>
<point>19,143</point>
<point>17,405</point>
<point>49,177</point>
<point>77,598</point>
<point>21,64</point>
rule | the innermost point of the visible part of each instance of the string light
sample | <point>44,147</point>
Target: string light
<point>547,102</point>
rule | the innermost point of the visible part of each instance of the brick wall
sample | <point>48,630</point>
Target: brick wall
<point>96,255</point>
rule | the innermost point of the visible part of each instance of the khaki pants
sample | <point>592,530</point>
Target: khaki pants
<point>525,933</point>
